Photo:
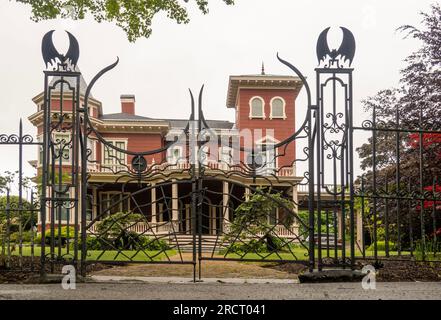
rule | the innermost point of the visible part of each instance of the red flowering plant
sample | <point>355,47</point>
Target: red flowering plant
<point>429,141</point>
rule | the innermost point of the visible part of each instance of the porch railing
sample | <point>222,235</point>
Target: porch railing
<point>167,227</point>
<point>120,168</point>
<point>144,228</point>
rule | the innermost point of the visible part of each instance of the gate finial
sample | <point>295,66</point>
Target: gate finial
<point>60,62</point>
<point>335,56</point>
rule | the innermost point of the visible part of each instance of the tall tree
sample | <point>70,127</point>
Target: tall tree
<point>414,105</point>
<point>133,16</point>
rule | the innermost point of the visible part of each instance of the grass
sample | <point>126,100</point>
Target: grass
<point>298,254</point>
<point>110,255</point>
<point>301,254</point>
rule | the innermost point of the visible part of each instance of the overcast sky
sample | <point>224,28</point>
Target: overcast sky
<point>230,40</point>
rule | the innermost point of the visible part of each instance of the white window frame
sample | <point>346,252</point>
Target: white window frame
<point>67,137</point>
<point>171,159</point>
<point>93,145</point>
<point>276,217</point>
<point>251,108</point>
<point>269,140</point>
<point>225,151</point>
<point>40,150</point>
<point>114,165</point>
<point>109,195</point>
<point>68,210</point>
<point>283,106</point>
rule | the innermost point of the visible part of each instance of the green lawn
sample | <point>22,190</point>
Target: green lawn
<point>298,253</point>
<point>111,255</point>
<point>301,254</point>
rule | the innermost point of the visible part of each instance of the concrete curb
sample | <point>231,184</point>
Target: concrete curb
<point>331,275</point>
<point>176,280</point>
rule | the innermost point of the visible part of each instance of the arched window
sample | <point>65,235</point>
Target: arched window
<point>257,108</point>
<point>277,108</point>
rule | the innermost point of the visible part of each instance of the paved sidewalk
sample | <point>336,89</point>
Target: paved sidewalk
<point>222,291</point>
<point>123,279</point>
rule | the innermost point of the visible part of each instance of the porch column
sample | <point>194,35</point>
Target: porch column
<point>225,207</point>
<point>153,203</point>
<point>247,194</point>
<point>94,203</point>
<point>175,205</point>
<point>187,218</point>
<point>295,200</point>
<point>359,221</point>
<point>340,224</point>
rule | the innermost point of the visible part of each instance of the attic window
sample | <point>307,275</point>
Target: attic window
<point>256,108</point>
<point>278,108</point>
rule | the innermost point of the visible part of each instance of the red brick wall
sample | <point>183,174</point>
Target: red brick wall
<point>136,142</point>
<point>282,128</point>
<point>128,107</point>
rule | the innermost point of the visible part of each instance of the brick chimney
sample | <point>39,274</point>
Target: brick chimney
<point>128,103</point>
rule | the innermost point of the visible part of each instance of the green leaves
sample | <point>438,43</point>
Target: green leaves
<point>252,216</point>
<point>133,16</point>
<point>116,224</point>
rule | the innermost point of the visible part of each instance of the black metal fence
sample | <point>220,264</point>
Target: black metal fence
<point>162,212</point>
<point>19,238</point>
<point>399,196</point>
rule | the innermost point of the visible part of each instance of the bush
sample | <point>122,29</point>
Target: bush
<point>153,244</point>
<point>26,237</point>
<point>429,246</point>
<point>28,217</point>
<point>132,241</point>
<point>114,234</point>
<point>92,243</point>
<point>63,236</point>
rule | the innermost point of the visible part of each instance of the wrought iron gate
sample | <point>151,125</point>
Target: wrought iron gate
<point>102,202</point>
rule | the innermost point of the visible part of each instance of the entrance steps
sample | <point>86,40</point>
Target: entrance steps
<point>184,242</point>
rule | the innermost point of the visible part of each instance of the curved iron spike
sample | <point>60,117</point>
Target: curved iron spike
<point>95,79</point>
<point>48,50</point>
<point>73,53</point>
<point>300,75</point>
<point>347,48</point>
<point>322,48</point>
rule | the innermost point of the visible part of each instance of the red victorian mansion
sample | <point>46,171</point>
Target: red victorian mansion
<point>263,103</point>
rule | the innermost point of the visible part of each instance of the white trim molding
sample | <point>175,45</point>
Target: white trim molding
<point>251,116</point>
<point>113,140</point>
<point>283,106</point>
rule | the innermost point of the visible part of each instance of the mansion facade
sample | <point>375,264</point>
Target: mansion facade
<point>263,103</point>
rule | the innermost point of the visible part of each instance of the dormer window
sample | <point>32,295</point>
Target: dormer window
<point>257,108</point>
<point>277,108</point>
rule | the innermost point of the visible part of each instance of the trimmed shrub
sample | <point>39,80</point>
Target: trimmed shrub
<point>26,237</point>
<point>154,244</point>
<point>131,241</point>
<point>63,235</point>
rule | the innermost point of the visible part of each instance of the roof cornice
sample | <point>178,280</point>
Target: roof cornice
<point>264,82</point>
